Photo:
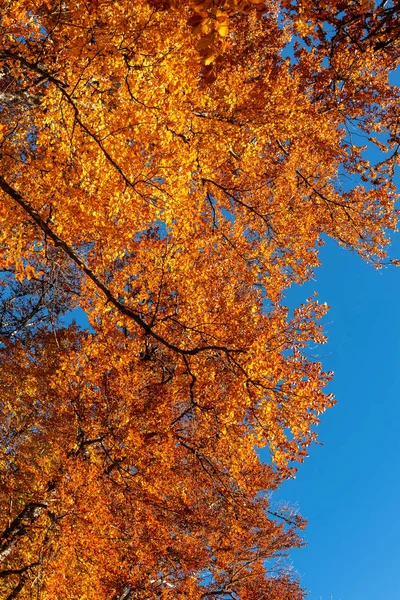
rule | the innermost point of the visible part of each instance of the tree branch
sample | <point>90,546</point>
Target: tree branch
<point>124,310</point>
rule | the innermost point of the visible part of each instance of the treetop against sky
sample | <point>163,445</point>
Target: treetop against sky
<point>171,168</point>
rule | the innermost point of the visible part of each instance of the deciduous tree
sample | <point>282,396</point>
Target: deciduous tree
<point>172,168</point>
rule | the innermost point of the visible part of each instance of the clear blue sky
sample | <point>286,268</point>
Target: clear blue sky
<point>349,488</point>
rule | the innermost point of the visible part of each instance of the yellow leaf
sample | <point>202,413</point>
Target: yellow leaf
<point>209,59</point>
<point>223,30</point>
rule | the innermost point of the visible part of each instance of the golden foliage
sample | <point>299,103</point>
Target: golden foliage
<point>187,174</point>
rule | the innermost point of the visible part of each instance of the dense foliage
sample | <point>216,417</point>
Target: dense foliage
<point>170,168</point>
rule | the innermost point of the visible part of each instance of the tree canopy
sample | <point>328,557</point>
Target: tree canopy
<point>171,168</point>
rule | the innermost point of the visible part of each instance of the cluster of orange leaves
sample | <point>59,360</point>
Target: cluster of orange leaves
<point>169,156</point>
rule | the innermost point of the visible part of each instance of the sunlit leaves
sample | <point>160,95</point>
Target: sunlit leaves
<point>172,168</point>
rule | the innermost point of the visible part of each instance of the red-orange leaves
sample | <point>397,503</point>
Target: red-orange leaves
<point>171,169</point>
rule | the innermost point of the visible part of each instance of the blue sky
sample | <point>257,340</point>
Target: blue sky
<point>349,488</point>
